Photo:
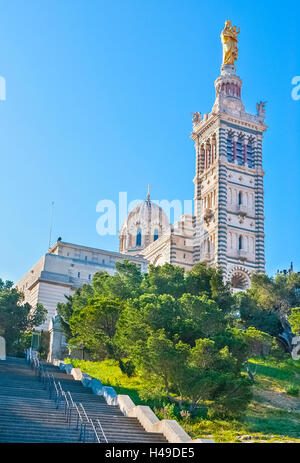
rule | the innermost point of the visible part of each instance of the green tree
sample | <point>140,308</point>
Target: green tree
<point>94,326</point>
<point>278,294</point>
<point>215,376</point>
<point>205,280</point>
<point>199,317</point>
<point>161,362</point>
<point>123,285</point>
<point>73,305</point>
<point>294,320</point>
<point>165,279</point>
<point>173,327</point>
<point>17,319</point>
<point>252,313</point>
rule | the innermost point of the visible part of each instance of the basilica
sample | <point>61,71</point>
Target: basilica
<point>227,228</point>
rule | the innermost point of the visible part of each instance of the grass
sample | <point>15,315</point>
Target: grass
<point>272,416</point>
<point>109,373</point>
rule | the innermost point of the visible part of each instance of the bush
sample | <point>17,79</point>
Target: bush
<point>44,344</point>
<point>127,367</point>
<point>293,390</point>
<point>260,342</point>
<point>168,412</point>
<point>294,320</point>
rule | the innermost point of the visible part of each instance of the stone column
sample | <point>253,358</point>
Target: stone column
<point>234,148</point>
<point>57,347</point>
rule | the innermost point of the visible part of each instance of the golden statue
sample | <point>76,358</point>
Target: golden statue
<point>229,41</point>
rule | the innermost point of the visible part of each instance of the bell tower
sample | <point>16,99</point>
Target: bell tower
<point>229,196</point>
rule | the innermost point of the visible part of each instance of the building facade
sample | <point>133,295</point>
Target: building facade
<point>227,228</point>
<point>65,268</point>
<point>229,196</point>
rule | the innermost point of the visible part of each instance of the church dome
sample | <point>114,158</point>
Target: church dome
<point>144,224</point>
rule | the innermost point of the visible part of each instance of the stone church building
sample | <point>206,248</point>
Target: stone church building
<point>226,230</point>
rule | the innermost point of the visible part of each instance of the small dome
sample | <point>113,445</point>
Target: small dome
<point>144,225</point>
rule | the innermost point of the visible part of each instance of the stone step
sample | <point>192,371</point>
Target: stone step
<point>38,430</point>
<point>8,392</point>
<point>48,434</point>
<point>28,414</point>
<point>30,440</point>
<point>48,403</point>
<point>104,419</point>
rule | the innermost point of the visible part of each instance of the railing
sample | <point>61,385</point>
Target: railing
<point>72,410</point>
<point>102,432</point>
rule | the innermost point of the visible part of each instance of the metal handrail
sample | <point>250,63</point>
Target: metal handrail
<point>84,412</point>
<point>66,402</point>
<point>90,422</point>
<point>49,383</point>
<point>78,413</point>
<point>71,398</point>
<point>101,429</point>
<point>95,432</point>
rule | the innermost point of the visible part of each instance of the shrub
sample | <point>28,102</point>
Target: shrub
<point>169,412</point>
<point>292,389</point>
<point>294,320</point>
<point>260,342</point>
<point>127,367</point>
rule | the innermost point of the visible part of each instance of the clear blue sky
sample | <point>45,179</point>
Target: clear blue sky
<point>99,100</point>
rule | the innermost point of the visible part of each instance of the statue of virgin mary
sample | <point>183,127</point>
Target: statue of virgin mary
<point>229,41</point>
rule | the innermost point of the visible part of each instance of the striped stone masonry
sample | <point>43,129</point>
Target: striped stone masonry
<point>229,195</point>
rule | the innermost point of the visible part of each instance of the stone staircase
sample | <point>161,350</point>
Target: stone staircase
<point>28,414</point>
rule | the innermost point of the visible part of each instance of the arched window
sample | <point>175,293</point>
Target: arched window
<point>155,234</point>
<point>240,198</point>
<point>240,242</point>
<point>139,237</point>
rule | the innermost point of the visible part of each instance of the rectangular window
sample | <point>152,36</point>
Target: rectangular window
<point>250,154</point>
<point>239,152</point>
<point>229,149</point>
<point>78,274</point>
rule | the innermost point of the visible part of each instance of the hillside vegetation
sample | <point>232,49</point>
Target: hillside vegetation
<point>272,415</point>
<point>184,344</point>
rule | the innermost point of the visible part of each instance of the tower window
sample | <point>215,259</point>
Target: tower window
<point>155,235</point>
<point>250,154</point>
<point>139,237</point>
<point>240,198</point>
<point>240,242</point>
<point>229,149</point>
<point>239,152</point>
<point>78,274</point>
